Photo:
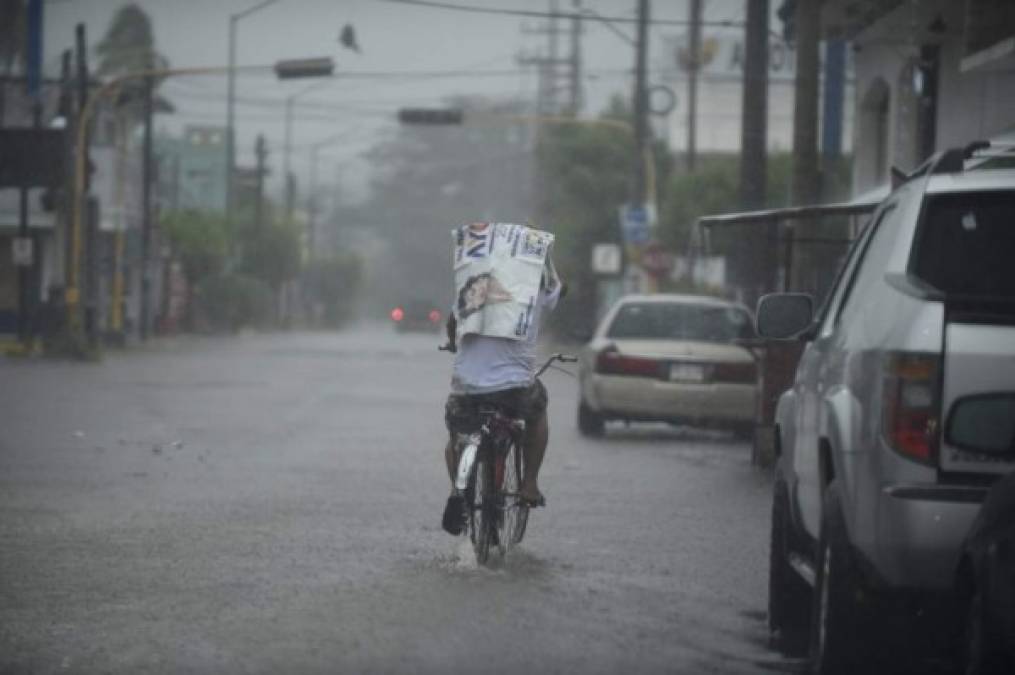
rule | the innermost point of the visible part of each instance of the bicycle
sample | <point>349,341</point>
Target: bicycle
<point>487,482</point>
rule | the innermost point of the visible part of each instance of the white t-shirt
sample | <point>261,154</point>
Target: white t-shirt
<point>486,364</point>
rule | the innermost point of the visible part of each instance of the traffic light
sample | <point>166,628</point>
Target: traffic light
<point>292,69</point>
<point>433,116</point>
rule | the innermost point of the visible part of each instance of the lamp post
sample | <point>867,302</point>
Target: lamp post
<point>312,190</point>
<point>287,151</point>
<point>317,67</point>
<point>231,101</point>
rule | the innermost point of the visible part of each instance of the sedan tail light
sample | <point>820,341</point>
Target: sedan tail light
<point>911,400</point>
<point>611,362</point>
<point>397,314</point>
<point>435,316</point>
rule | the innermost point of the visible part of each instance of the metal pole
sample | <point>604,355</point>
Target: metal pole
<point>230,103</point>
<point>261,152</point>
<point>756,252</point>
<point>693,62</point>
<point>146,212</point>
<point>640,112</point>
<point>312,204</point>
<point>576,58</point>
<point>286,170</point>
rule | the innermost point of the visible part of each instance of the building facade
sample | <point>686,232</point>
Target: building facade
<point>192,169</point>
<point>930,75</point>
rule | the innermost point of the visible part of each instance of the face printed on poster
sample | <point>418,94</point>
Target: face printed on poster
<point>498,269</point>
<point>479,291</point>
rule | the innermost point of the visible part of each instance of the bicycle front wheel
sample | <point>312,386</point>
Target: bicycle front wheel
<point>514,512</point>
<point>482,509</point>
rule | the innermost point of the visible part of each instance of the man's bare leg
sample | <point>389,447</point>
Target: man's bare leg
<point>536,438</point>
<point>451,457</point>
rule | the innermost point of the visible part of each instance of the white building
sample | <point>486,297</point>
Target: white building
<point>720,93</point>
<point>929,74</point>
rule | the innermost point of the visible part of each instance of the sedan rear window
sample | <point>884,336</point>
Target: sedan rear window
<point>677,321</point>
<point>966,245</point>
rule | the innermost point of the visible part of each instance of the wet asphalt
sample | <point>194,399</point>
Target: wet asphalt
<point>271,504</point>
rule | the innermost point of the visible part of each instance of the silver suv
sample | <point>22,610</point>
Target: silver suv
<point>901,415</point>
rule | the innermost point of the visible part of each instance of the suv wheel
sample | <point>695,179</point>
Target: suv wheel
<point>842,632</point>
<point>982,650</point>
<point>589,422</point>
<point>789,596</point>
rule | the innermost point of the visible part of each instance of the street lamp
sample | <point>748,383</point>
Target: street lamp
<point>231,101</point>
<point>312,191</point>
<point>283,69</point>
<point>287,151</point>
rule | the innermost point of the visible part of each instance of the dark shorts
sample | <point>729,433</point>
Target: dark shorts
<point>527,403</point>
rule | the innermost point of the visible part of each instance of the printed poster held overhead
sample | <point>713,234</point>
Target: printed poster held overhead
<point>497,270</point>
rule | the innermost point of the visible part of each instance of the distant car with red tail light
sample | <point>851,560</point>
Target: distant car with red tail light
<point>669,358</point>
<point>417,315</point>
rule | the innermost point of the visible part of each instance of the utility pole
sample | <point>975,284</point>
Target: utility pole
<point>88,284</point>
<point>757,250</point>
<point>693,66</point>
<point>640,105</point>
<point>146,212</point>
<point>575,87</point>
<point>32,82</point>
<point>66,109</point>
<point>549,74</point>
<point>806,178</point>
<point>261,151</point>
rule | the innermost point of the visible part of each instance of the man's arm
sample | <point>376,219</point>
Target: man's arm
<point>451,328</point>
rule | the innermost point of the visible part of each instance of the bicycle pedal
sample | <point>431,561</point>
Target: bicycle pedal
<point>454,519</point>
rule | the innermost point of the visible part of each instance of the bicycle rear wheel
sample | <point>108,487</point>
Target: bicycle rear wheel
<point>482,509</point>
<point>514,512</point>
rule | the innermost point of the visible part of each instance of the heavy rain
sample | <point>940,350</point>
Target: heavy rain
<point>545,336</point>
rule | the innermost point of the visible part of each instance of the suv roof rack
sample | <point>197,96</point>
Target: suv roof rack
<point>954,160</point>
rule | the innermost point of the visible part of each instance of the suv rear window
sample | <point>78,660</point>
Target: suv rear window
<point>966,245</point>
<point>680,321</point>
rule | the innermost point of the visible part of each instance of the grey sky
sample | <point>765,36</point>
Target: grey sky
<point>393,37</point>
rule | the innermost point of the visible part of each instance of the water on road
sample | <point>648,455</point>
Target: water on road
<point>271,503</point>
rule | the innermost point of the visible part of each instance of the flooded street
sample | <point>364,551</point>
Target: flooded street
<point>272,504</point>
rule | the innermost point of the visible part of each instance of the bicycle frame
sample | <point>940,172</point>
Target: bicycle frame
<point>474,441</point>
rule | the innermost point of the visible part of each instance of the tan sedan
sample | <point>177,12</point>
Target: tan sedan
<point>669,358</point>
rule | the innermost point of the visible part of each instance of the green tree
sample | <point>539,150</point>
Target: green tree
<point>200,240</point>
<point>129,47</point>
<point>334,283</point>
<point>586,176</point>
<point>129,44</point>
<point>272,254</point>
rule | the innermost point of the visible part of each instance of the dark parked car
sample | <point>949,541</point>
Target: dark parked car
<point>987,584</point>
<point>417,315</point>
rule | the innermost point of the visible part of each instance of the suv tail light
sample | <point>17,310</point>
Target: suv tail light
<point>611,362</point>
<point>397,314</point>
<point>911,402</point>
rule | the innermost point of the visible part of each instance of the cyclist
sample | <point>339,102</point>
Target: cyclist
<point>500,371</point>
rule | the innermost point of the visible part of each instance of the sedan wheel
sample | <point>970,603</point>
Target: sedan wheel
<point>590,423</point>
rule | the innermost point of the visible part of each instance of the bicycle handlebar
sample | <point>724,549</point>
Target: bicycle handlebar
<point>559,356</point>
<point>563,358</point>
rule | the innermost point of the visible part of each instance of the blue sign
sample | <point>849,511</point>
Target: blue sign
<point>634,224</point>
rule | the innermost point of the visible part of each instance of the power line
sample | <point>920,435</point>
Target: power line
<point>433,4</point>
